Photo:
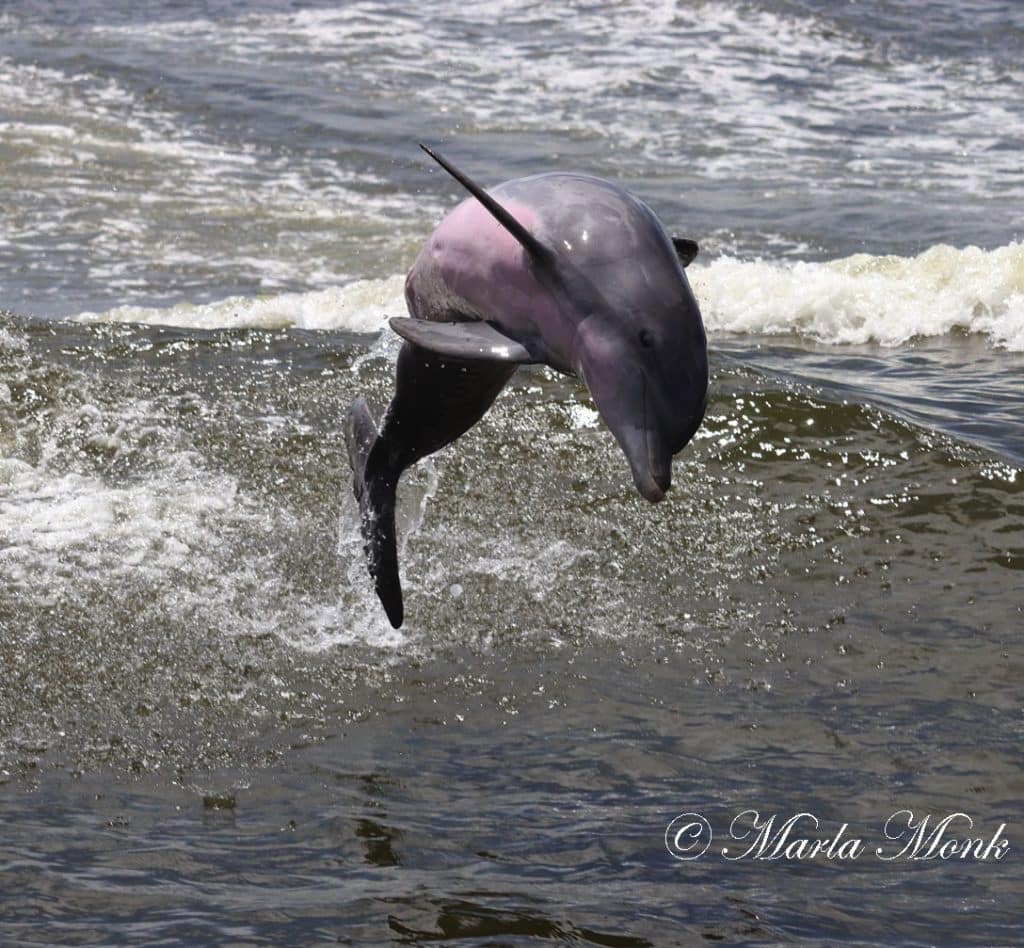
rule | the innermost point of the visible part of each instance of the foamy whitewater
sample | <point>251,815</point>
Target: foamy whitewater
<point>861,299</point>
<point>209,731</point>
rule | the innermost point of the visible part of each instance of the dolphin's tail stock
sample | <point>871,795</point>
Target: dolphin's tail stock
<point>374,482</point>
<point>436,400</point>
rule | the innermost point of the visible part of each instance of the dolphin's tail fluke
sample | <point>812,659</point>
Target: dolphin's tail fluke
<point>374,483</point>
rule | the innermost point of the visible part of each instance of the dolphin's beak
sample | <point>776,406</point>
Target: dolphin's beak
<point>653,487</point>
<point>650,489</point>
<point>658,470</point>
<point>650,464</point>
<point>625,409</point>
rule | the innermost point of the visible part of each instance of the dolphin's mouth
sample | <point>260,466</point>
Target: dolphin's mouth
<point>654,482</point>
<point>652,474</point>
<point>650,489</point>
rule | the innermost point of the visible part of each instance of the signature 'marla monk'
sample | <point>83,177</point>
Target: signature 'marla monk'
<point>563,269</point>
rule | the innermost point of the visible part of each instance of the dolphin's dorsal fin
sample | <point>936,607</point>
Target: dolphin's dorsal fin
<point>531,244</point>
<point>474,341</point>
<point>686,250</point>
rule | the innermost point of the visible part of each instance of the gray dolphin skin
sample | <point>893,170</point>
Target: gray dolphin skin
<point>560,269</point>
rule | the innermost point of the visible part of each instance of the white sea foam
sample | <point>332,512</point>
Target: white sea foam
<point>870,299</point>
<point>106,186</point>
<point>179,538</point>
<point>362,306</point>
<point>854,300</point>
<point>63,527</point>
<point>110,186</point>
<point>743,90</point>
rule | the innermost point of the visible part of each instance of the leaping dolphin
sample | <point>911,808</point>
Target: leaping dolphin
<point>561,269</point>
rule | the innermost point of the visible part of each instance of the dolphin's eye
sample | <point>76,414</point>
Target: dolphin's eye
<point>646,339</point>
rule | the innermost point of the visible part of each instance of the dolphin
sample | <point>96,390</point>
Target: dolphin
<point>560,269</point>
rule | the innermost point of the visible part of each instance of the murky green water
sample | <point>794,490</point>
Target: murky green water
<point>210,733</point>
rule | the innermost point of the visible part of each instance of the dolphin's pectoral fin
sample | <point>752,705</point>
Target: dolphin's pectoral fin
<point>686,250</point>
<point>472,341</point>
<point>374,487</point>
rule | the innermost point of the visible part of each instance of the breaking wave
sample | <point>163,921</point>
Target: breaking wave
<point>860,299</point>
<point>863,298</point>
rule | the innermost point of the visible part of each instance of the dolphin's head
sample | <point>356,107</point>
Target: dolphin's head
<point>647,372</point>
<point>639,343</point>
<point>627,322</point>
<point>635,334</point>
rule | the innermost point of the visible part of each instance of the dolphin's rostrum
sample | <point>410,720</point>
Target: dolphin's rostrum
<point>562,269</point>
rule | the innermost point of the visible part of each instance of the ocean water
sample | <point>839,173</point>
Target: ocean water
<point>209,733</point>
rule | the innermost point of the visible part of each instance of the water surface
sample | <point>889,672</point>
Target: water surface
<point>208,731</point>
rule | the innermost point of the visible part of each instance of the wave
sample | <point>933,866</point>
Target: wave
<point>780,80</point>
<point>863,298</point>
<point>359,307</point>
<point>269,219</point>
<point>255,152</point>
<point>860,299</point>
